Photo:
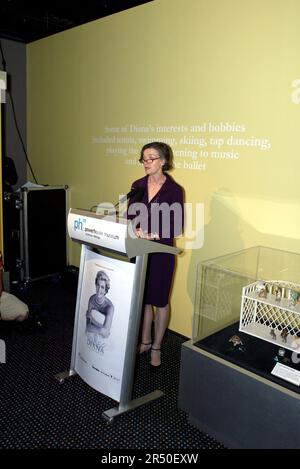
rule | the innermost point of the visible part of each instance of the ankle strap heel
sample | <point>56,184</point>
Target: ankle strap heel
<point>156,353</point>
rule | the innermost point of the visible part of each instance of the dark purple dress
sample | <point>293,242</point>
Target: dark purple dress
<point>167,224</point>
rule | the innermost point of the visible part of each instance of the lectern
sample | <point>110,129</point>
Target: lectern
<point>107,362</point>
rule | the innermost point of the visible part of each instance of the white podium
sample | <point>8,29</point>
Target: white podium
<point>108,364</point>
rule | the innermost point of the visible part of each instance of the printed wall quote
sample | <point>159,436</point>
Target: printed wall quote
<point>194,146</point>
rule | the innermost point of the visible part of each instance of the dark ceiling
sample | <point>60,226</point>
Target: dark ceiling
<point>27,20</point>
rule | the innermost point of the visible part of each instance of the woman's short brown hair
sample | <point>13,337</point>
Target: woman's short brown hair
<point>164,151</point>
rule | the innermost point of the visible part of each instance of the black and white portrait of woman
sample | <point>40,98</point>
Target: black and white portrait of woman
<point>105,290</point>
<point>100,309</point>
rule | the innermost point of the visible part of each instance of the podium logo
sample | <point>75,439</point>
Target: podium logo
<point>78,224</point>
<point>2,351</point>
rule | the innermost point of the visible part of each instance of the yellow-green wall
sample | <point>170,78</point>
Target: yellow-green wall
<point>178,63</point>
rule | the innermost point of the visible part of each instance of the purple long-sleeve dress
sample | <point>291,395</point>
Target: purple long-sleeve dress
<point>162,215</point>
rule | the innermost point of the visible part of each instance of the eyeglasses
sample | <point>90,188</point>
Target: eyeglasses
<point>150,160</point>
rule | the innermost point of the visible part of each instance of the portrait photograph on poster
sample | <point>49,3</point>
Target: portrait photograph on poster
<point>100,310</point>
<point>104,309</point>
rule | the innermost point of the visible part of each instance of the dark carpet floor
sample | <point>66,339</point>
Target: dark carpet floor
<point>37,412</point>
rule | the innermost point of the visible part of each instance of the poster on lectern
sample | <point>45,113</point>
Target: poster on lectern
<point>104,310</point>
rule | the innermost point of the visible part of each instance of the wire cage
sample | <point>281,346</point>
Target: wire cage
<point>271,311</point>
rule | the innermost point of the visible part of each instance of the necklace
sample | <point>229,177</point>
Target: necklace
<point>101,301</point>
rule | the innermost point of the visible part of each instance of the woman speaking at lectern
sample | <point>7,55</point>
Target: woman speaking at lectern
<point>160,219</point>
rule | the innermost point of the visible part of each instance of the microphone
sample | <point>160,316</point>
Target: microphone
<point>135,191</point>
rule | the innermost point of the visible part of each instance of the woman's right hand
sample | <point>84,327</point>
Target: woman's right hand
<point>140,233</point>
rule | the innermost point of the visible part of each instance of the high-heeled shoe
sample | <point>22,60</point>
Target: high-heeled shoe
<point>144,347</point>
<point>155,351</point>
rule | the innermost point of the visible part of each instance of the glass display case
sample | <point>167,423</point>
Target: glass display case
<point>247,309</point>
<point>220,282</point>
<point>240,372</point>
